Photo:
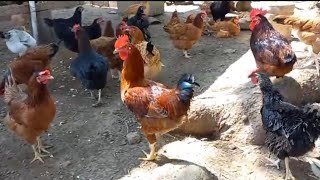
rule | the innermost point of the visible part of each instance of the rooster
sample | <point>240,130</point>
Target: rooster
<point>272,51</point>
<point>89,66</point>
<point>18,41</point>
<point>157,108</point>
<point>30,114</point>
<point>291,130</point>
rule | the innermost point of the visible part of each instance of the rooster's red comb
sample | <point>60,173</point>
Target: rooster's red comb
<point>121,41</point>
<point>256,11</point>
<point>76,26</point>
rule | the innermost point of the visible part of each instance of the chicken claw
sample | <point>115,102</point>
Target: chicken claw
<point>186,55</point>
<point>273,163</point>
<point>152,156</point>
<point>37,155</point>
<point>41,147</point>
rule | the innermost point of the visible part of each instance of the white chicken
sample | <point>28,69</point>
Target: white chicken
<point>18,41</point>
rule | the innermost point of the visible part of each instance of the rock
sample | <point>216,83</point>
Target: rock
<point>233,97</point>
<point>133,137</point>
<point>65,164</point>
<point>243,6</point>
<point>229,51</point>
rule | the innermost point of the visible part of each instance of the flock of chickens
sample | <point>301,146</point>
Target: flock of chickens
<point>131,57</point>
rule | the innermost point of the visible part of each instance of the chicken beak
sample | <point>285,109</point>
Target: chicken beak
<point>115,51</point>
<point>50,77</point>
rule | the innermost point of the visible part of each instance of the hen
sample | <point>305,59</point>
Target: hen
<point>141,21</point>
<point>149,53</point>
<point>173,21</point>
<point>185,35</point>
<point>89,66</point>
<point>227,28</point>
<point>291,131</point>
<point>120,28</point>
<point>307,30</point>
<point>29,115</point>
<point>132,9</point>
<point>18,41</point>
<point>109,32</point>
<point>62,26</point>
<point>35,58</point>
<point>94,30</point>
<point>157,108</point>
<point>272,51</point>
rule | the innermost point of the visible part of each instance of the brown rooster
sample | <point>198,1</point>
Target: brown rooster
<point>30,114</point>
<point>158,109</point>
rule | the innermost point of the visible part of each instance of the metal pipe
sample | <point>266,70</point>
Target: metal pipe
<point>33,14</point>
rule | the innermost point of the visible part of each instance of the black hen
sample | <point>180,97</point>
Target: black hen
<point>141,21</point>
<point>291,131</point>
<point>94,30</point>
<point>90,67</point>
<point>219,9</point>
<point>59,24</point>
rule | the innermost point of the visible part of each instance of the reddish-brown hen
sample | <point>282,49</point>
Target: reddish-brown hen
<point>30,114</point>
<point>35,58</point>
<point>185,35</point>
<point>272,51</point>
<point>158,108</point>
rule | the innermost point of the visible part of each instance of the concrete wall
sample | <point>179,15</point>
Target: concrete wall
<point>9,10</point>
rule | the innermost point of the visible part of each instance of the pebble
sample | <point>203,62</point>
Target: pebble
<point>133,138</point>
<point>229,51</point>
<point>65,164</point>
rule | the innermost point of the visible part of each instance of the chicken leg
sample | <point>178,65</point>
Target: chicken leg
<point>99,100</point>
<point>288,172</point>
<point>152,156</point>
<point>186,55</point>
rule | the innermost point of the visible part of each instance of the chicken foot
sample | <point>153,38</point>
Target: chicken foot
<point>152,156</point>
<point>273,163</point>
<point>41,147</point>
<point>288,172</point>
<point>37,155</point>
<point>99,100</point>
<point>186,55</point>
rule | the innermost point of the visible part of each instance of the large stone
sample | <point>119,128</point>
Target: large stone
<point>231,106</point>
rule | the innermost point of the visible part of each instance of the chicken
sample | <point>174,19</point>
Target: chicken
<point>141,21</point>
<point>29,115</point>
<point>62,26</point>
<point>157,108</point>
<point>109,32</point>
<point>219,9</point>
<point>120,28</point>
<point>18,41</point>
<point>94,30</point>
<point>291,130</point>
<point>89,66</point>
<point>132,9</point>
<point>38,57</point>
<point>227,28</point>
<point>307,30</point>
<point>272,51</point>
<point>185,35</point>
<point>205,6</point>
<point>149,53</point>
<point>173,21</point>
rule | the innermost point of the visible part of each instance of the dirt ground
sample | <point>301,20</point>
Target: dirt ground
<point>90,143</point>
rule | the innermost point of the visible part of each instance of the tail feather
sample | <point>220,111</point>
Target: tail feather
<point>48,21</point>
<point>185,86</point>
